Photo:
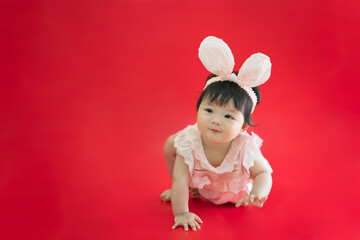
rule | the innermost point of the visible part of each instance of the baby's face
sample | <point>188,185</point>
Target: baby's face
<point>219,124</point>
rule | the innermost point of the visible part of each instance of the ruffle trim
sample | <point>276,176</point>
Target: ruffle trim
<point>184,146</point>
<point>188,144</point>
<point>252,151</point>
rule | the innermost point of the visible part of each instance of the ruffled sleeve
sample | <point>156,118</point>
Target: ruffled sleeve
<point>183,144</point>
<point>252,152</point>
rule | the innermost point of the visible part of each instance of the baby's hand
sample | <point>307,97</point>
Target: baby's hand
<point>186,220</point>
<point>251,199</point>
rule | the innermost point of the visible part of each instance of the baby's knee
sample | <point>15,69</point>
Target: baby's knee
<point>169,146</point>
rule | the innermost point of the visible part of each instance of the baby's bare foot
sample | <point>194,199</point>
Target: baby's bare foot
<point>194,192</point>
<point>166,196</point>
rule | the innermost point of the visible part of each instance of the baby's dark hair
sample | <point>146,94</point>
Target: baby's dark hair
<point>222,92</point>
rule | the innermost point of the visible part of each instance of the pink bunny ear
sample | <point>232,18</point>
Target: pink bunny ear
<point>216,56</point>
<point>255,70</point>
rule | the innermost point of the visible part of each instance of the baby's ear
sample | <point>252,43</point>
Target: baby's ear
<point>244,127</point>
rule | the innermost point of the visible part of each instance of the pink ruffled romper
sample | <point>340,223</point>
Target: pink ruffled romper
<point>228,182</point>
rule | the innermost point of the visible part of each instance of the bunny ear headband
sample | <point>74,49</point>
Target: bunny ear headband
<point>217,58</point>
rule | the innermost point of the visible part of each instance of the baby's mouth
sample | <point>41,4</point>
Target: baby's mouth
<point>215,130</point>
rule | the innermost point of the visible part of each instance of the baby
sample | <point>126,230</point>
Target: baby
<point>216,158</point>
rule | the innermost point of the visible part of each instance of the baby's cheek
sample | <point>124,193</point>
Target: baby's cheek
<point>237,129</point>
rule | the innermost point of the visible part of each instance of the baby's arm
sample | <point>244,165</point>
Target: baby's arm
<point>180,196</point>
<point>261,173</point>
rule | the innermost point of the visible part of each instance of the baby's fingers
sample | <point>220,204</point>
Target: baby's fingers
<point>239,203</point>
<point>186,226</point>
<point>197,218</point>
<point>252,198</point>
<point>259,202</point>
<point>197,225</point>
<point>176,225</point>
<point>262,200</point>
<point>246,201</point>
<point>193,226</point>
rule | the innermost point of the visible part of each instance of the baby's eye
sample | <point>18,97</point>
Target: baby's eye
<point>228,116</point>
<point>208,110</point>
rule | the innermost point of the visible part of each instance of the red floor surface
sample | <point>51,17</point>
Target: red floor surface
<point>90,90</point>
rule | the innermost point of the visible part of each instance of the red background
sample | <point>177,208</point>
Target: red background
<point>90,90</point>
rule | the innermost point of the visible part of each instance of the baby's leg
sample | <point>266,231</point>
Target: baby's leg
<point>170,156</point>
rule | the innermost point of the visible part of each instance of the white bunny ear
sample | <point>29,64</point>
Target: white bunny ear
<point>216,56</point>
<point>255,70</point>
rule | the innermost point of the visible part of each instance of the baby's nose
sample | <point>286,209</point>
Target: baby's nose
<point>216,121</point>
